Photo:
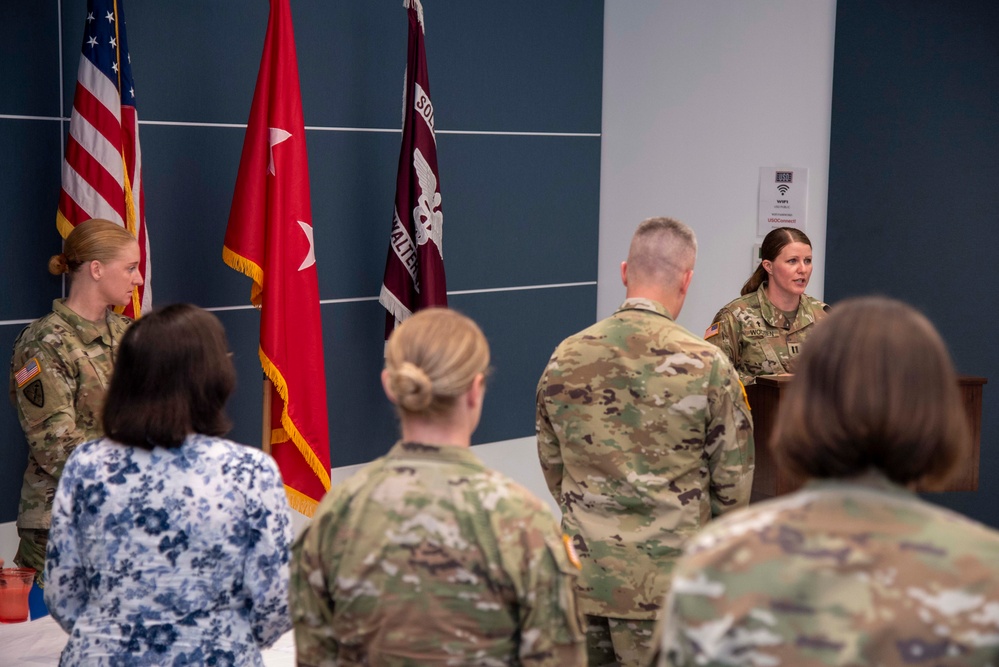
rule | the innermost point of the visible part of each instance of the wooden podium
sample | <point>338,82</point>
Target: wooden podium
<point>765,397</point>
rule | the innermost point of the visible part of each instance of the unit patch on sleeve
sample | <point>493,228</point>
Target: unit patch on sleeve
<point>35,393</point>
<point>570,552</point>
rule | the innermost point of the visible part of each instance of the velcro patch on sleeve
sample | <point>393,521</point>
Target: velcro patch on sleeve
<point>712,330</point>
<point>35,393</point>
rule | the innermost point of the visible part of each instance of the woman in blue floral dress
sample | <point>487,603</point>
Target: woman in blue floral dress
<point>169,544</point>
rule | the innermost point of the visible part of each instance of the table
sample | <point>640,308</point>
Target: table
<point>41,641</point>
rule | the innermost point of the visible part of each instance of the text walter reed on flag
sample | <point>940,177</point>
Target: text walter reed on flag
<point>269,238</point>
<point>414,271</point>
<point>102,173</point>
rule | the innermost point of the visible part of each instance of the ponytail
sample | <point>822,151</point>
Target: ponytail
<point>758,278</point>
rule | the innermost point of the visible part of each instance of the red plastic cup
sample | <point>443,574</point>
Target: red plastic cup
<point>15,584</point>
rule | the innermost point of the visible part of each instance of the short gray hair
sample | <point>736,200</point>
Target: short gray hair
<point>662,250</point>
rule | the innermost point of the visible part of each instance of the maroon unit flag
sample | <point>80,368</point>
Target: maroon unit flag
<point>414,272</point>
<point>102,172</point>
<point>269,238</point>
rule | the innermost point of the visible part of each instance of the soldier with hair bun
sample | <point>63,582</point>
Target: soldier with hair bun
<point>61,368</point>
<point>425,556</point>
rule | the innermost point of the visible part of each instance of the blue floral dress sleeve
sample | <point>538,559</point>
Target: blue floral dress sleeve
<point>67,585</point>
<point>268,538</point>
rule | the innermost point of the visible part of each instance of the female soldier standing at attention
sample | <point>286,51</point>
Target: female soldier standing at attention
<point>762,331</point>
<point>62,365</point>
<point>425,556</point>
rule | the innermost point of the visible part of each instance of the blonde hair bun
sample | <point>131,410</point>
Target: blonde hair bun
<point>433,358</point>
<point>58,264</point>
<point>412,387</point>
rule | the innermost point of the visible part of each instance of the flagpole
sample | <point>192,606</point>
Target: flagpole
<point>265,436</point>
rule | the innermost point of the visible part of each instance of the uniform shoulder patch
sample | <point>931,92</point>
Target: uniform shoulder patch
<point>35,393</point>
<point>27,372</point>
<point>745,396</point>
<point>570,552</point>
<point>712,330</point>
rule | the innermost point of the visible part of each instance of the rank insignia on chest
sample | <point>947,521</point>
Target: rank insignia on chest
<point>794,349</point>
<point>35,393</point>
<point>27,372</point>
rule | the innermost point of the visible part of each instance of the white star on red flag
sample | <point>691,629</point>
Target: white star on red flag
<point>310,257</point>
<point>277,136</point>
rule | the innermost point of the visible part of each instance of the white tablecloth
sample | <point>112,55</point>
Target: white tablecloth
<point>40,643</point>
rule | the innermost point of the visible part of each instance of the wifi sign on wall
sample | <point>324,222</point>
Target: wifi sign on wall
<point>783,198</point>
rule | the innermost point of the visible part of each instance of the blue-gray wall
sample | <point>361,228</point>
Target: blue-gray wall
<point>517,97</point>
<point>913,174</point>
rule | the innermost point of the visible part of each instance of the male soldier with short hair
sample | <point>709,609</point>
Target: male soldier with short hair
<point>644,435</point>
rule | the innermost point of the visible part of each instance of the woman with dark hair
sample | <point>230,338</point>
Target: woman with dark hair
<point>854,568</point>
<point>61,367</point>
<point>762,331</point>
<point>425,556</point>
<point>169,545</point>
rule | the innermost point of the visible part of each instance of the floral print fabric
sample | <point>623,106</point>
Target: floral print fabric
<point>169,556</point>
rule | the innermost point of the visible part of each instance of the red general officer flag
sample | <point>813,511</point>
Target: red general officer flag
<point>414,272</point>
<point>269,238</point>
<point>102,172</point>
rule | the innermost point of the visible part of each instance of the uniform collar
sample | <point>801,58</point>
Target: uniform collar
<point>418,450</point>
<point>870,480</point>
<point>87,330</point>
<point>641,303</point>
<point>775,317</point>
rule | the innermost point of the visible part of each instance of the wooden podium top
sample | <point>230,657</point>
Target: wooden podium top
<point>764,400</point>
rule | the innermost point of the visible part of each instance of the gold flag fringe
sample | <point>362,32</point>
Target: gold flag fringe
<point>249,268</point>
<point>63,224</point>
<point>271,371</point>
<point>300,502</point>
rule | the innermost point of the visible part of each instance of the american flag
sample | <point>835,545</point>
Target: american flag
<point>102,173</point>
<point>30,370</point>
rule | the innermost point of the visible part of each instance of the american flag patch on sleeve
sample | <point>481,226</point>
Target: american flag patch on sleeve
<point>712,330</point>
<point>30,370</point>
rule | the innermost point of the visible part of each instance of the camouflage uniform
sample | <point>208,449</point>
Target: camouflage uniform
<point>853,572</point>
<point>644,435</point>
<point>64,363</point>
<point>752,332</point>
<point>426,557</point>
